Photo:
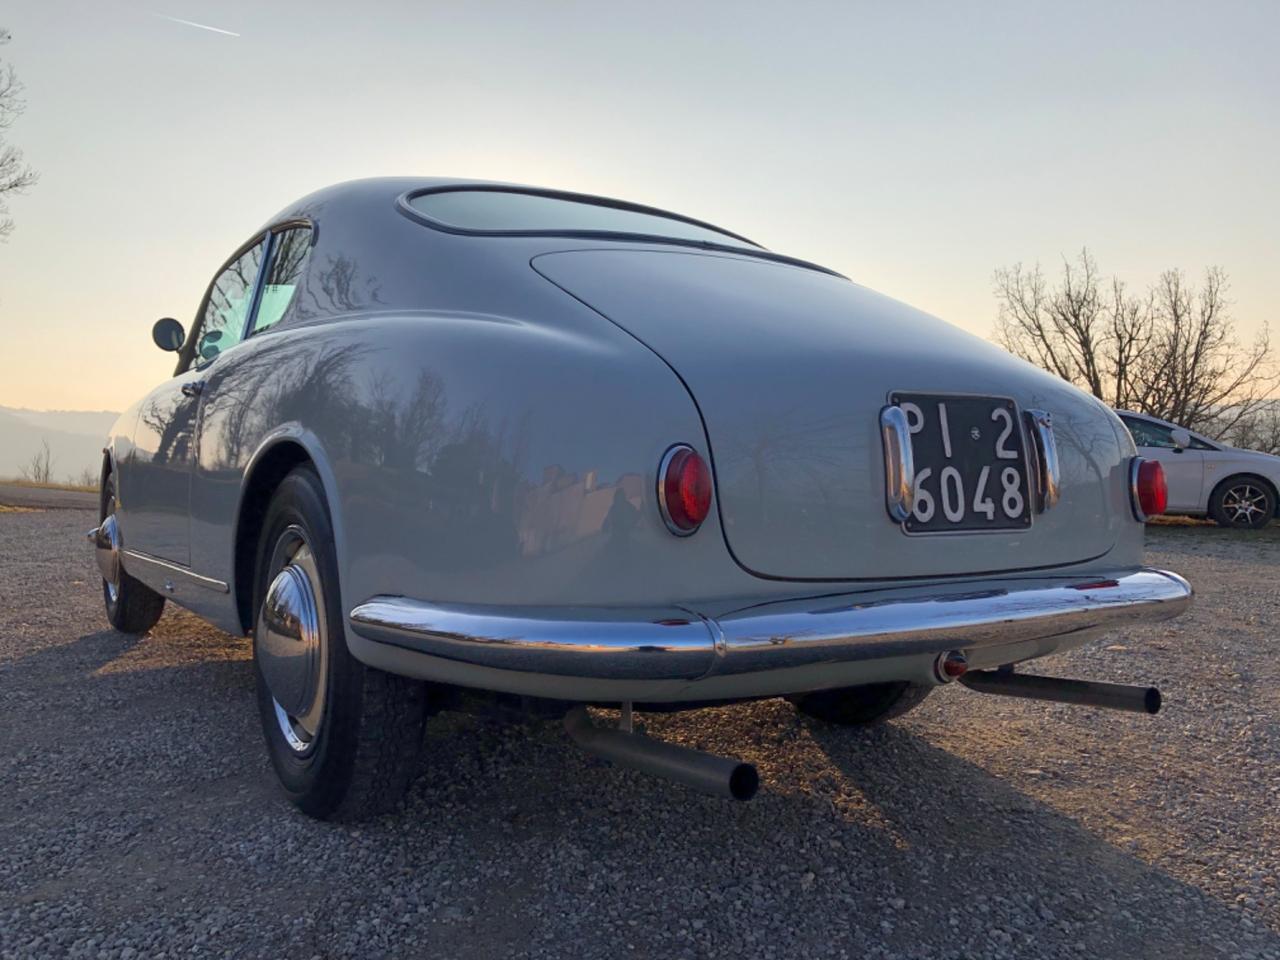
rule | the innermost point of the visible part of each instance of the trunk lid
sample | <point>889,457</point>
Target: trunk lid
<point>790,368</point>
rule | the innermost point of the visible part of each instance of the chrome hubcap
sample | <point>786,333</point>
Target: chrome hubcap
<point>290,640</point>
<point>1245,504</point>
<point>106,549</point>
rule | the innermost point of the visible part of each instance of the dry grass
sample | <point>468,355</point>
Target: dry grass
<point>5,508</point>
<point>1207,530</point>
<point>79,488</point>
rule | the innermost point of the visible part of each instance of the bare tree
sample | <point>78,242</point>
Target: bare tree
<point>1198,373</point>
<point>1173,353</point>
<point>15,175</point>
<point>87,477</point>
<point>1259,430</point>
<point>39,469</point>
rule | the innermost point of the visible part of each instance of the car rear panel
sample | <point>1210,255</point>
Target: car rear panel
<point>790,368</point>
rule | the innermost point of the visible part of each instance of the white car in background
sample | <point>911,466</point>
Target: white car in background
<point>1237,488</point>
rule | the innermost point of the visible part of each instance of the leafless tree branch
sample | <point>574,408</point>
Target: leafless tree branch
<point>15,175</point>
<point>1174,353</point>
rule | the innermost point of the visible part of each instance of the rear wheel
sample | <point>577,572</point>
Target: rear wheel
<point>132,606</point>
<point>1243,503</point>
<point>344,739</point>
<point>863,705</point>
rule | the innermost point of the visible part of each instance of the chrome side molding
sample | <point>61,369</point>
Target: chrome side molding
<point>1048,476</point>
<point>153,569</point>
<point>899,464</point>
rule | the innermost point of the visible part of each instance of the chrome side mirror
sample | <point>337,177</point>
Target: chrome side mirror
<point>168,334</point>
<point>1181,439</point>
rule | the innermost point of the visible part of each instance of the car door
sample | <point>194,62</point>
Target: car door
<point>236,405</point>
<point>1183,466</point>
<point>158,502</point>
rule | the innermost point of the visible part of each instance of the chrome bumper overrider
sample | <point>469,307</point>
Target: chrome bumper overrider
<point>679,644</point>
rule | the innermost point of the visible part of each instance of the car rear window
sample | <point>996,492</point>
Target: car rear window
<point>508,212</point>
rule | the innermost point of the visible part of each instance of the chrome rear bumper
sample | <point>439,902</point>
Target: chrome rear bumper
<point>605,645</point>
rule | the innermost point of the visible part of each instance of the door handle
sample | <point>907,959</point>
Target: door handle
<point>193,388</point>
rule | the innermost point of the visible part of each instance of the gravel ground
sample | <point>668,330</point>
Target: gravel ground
<point>139,817</point>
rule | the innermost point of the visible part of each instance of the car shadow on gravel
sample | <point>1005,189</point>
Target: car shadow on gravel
<point>874,835</point>
<point>125,705</point>
<point>997,845</point>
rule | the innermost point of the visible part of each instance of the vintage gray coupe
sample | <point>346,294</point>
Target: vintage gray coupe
<point>426,435</point>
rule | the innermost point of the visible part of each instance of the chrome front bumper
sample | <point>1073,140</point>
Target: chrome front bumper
<point>683,650</point>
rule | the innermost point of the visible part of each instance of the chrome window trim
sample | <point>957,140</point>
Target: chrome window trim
<point>273,235</point>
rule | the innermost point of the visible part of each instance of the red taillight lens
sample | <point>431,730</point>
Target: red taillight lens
<point>684,490</point>
<point>1150,493</point>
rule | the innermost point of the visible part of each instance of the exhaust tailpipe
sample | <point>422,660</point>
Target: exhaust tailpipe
<point>1089,693</point>
<point>704,772</point>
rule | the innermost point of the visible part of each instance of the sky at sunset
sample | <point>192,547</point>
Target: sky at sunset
<point>914,147</point>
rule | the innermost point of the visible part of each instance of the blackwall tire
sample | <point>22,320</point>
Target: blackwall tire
<point>132,606</point>
<point>346,742</point>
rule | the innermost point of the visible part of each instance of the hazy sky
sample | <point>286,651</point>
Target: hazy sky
<point>913,146</point>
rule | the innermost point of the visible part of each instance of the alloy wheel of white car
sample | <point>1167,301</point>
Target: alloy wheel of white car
<point>1243,503</point>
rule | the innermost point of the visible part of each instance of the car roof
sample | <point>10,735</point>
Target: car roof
<point>382,192</point>
<point>366,201</point>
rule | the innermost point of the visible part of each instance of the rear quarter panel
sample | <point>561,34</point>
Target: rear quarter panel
<point>468,458</point>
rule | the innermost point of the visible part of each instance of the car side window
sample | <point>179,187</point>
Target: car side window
<point>289,249</point>
<point>1198,444</point>
<point>230,298</point>
<point>1148,434</point>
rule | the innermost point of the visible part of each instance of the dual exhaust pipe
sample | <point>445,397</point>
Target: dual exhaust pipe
<point>1003,682</point>
<point>1087,693</point>
<point>704,772</point>
<point>734,779</point>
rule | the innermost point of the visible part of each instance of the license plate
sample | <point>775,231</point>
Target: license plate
<point>970,462</point>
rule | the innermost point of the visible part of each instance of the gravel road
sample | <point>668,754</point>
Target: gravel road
<point>139,818</point>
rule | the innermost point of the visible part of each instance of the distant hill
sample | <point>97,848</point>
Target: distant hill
<point>75,438</point>
<point>93,422</point>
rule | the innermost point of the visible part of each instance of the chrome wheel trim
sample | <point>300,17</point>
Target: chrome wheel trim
<point>298,618</point>
<point>296,743</point>
<point>1243,503</point>
<point>107,549</point>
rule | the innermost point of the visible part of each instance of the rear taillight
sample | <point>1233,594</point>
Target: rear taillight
<point>684,489</point>
<point>1147,488</point>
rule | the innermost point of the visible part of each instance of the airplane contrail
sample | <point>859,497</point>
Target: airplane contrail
<point>192,23</point>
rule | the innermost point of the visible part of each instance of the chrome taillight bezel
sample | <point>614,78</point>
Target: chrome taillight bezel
<point>664,508</point>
